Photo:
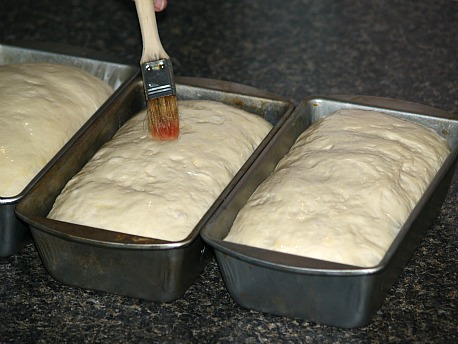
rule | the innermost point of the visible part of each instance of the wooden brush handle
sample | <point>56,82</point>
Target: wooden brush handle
<point>152,47</point>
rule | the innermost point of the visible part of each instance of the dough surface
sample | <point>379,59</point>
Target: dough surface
<point>41,106</point>
<point>161,189</point>
<point>344,190</point>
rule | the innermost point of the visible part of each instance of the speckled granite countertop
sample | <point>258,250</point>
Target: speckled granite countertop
<point>399,49</point>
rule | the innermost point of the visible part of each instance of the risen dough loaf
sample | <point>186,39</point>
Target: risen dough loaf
<point>344,190</point>
<point>41,107</point>
<point>161,189</point>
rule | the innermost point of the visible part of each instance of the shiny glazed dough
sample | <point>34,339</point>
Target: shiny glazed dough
<point>161,189</point>
<point>344,190</point>
<point>41,107</point>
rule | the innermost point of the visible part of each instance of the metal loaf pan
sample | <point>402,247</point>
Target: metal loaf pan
<point>124,264</point>
<point>316,290</point>
<point>14,234</point>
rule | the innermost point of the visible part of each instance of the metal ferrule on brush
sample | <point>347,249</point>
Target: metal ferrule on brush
<point>158,79</point>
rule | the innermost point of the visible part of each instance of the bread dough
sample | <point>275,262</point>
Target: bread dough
<point>344,190</point>
<point>161,189</point>
<point>41,106</point>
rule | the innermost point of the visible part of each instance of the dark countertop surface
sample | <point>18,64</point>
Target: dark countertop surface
<point>400,49</point>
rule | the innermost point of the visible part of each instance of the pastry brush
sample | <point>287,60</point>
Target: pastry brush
<point>158,80</point>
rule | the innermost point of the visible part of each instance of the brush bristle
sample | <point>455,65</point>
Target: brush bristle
<point>163,118</point>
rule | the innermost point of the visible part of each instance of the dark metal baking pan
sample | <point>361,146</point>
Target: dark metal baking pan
<point>14,233</point>
<point>124,264</point>
<point>311,289</point>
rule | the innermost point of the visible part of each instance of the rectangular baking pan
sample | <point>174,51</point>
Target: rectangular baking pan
<point>311,289</point>
<point>124,264</point>
<point>13,232</point>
